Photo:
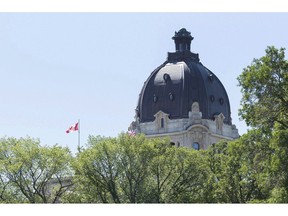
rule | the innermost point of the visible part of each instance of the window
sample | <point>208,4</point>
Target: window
<point>211,77</point>
<point>171,96</point>
<point>212,98</point>
<point>221,100</point>
<point>162,123</point>
<point>155,98</point>
<point>166,77</point>
<point>196,146</point>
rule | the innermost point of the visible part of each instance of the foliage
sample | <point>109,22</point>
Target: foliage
<point>32,173</point>
<point>134,169</point>
<point>279,165</point>
<point>264,85</point>
<point>239,167</point>
<point>180,175</point>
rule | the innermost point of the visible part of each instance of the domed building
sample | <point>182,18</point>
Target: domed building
<point>184,100</point>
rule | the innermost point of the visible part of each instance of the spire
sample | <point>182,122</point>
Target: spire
<point>182,40</point>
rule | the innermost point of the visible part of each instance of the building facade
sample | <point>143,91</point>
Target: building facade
<point>184,100</point>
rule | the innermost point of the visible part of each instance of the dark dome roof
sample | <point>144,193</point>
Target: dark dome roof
<point>180,81</point>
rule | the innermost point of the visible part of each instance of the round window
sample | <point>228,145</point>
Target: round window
<point>211,77</point>
<point>166,77</point>
<point>155,98</point>
<point>212,98</point>
<point>221,100</point>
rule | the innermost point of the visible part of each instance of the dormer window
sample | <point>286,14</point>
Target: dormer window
<point>161,121</point>
<point>166,77</point>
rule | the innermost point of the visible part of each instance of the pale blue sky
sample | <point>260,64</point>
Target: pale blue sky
<point>58,67</point>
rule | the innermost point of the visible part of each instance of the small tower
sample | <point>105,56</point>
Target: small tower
<point>182,40</point>
<point>184,100</point>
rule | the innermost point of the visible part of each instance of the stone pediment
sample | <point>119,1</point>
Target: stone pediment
<point>161,114</point>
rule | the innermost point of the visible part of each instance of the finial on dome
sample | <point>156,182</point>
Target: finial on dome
<point>182,40</point>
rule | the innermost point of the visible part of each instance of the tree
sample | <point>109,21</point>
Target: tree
<point>181,175</point>
<point>278,175</point>
<point>264,85</point>
<point>36,174</point>
<point>240,169</point>
<point>135,169</point>
<point>114,169</point>
<point>7,194</point>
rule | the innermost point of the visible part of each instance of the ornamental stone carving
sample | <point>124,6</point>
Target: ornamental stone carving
<point>195,107</point>
<point>219,119</point>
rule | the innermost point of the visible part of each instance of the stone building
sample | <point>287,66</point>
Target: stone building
<point>184,100</point>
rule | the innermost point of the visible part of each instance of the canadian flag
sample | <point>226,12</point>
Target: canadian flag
<point>72,128</point>
<point>131,132</point>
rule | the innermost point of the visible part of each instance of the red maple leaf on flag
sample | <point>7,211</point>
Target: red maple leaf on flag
<point>131,132</point>
<point>72,128</point>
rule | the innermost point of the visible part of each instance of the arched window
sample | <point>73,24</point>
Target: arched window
<point>196,146</point>
<point>162,123</point>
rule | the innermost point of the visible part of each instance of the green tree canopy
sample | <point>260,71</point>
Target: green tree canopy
<point>135,169</point>
<point>264,85</point>
<point>240,168</point>
<point>33,173</point>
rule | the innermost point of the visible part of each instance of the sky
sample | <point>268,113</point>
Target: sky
<point>57,68</point>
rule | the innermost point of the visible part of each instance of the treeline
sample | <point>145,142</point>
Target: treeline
<point>134,169</point>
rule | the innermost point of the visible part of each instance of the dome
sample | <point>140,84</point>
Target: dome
<point>179,82</point>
